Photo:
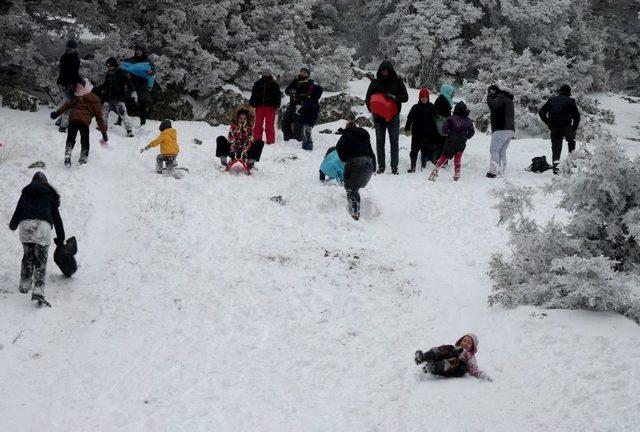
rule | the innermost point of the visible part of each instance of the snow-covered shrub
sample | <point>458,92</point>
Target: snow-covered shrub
<point>591,261</point>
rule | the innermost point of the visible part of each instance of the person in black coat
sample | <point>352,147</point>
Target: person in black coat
<point>308,115</point>
<point>140,84</point>
<point>560,114</point>
<point>68,78</point>
<point>424,131</point>
<point>266,99</point>
<point>503,128</point>
<point>297,90</point>
<point>354,149</point>
<point>36,212</point>
<point>388,83</point>
<point>113,92</point>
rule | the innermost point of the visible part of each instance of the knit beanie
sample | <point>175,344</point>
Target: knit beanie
<point>111,61</point>
<point>424,92</point>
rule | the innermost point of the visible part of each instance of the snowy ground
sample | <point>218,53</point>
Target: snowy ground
<point>202,305</point>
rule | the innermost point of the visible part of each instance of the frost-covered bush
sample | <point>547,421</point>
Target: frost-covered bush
<point>590,262</point>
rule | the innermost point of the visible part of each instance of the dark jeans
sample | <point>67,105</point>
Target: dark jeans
<point>291,127</point>
<point>426,148</point>
<point>72,133</point>
<point>393,127</point>
<point>34,268</point>
<point>169,160</point>
<point>444,361</point>
<point>357,173</point>
<point>557,135</point>
<point>223,149</point>
<point>68,93</point>
<point>307,141</point>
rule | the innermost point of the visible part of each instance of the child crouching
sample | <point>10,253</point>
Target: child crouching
<point>453,360</point>
<point>169,149</point>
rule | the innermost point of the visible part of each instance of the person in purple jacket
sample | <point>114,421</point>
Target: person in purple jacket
<point>458,128</point>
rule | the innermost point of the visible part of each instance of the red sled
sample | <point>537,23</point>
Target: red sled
<point>245,166</point>
<point>383,106</point>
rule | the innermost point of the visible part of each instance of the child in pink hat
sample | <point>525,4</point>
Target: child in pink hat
<point>453,360</point>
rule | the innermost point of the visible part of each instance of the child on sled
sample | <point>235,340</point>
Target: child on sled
<point>453,360</point>
<point>239,145</point>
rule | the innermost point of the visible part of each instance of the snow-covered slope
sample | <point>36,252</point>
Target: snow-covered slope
<point>201,304</point>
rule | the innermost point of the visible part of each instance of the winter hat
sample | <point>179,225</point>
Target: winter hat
<point>424,92</point>
<point>475,342</point>
<point>306,69</point>
<point>72,44</point>
<point>111,61</point>
<point>565,90</point>
<point>267,71</point>
<point>84,89</point>
<point>39,177</point>
<point>447,90</point>
<point>165,124</point>
<point>493,88</point>
<point>461,109</point>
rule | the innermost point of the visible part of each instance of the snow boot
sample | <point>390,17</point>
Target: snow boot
<point>418,357</point>
<point>143,121</point>
<point>433,175</point>
<point>394,171</point>
<point>40,299</point>
<point>62,129</point>
<point>491,175</point>
<point>129,133</point>
<point>380,171</point>
<point>353,204</point>
<point>456,174</point>
<point>83,159</point>
<point>119,121</point>
<point>556,167</point>
<point>67,161</point>
<point>413,166</point>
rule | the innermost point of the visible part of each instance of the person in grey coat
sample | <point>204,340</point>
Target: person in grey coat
<point>502,128</point>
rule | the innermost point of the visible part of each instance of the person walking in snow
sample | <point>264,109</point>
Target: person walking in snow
<point>384,100</point>
<point>142,75</point>
<point>82,109</point>
<point>560,114</point>
<point>68,78</point>
<point>265,99</point>
<point>502,128</point>
<point>443,106</point>
<point>424,132</point>
<point>354,149</point>
<point>239,144</point>
<point>458,129</point>
<point>308,115</point>
<point>297,91</point>
<point>37,211</point>
<point>169,148</point>
<point>453,360</point>
<point>113,92</point>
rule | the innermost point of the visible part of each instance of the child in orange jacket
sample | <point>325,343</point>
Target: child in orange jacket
<point>169,149</point>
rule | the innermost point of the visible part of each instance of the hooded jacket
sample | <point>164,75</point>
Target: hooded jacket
<point>392,85</point>
<point>311,107</point>
<point>355,142</point>
<point>168,142</point>
<point>298,89</point>
<point>444,102</point>
<point>266,92</point>
<point>241,135</point>
<point>469,357</point>
<point>84,109</point>
<point>69,74</point>
<point>38,202</point>
<point>560,111</point>
<point>421,121</point>
<point>459,128</point>
<point>502,111</point>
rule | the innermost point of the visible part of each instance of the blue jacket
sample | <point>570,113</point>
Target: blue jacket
<point>140,70</point>
<point>332,166</point>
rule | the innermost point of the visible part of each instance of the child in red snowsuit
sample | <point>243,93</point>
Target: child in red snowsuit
<point>458,128</point>
<point>453,360</point>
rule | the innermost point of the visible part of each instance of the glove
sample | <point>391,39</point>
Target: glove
<point>54,115</point>
<point>486,378</point>
<point>13,227</point>
<point>134,97</point>
<point>58,241</point>
<point>390,96</point>
<point>143,149</point>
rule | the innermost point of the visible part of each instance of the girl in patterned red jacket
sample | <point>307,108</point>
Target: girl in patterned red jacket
<point>239,144</point>
<point>453,360</point>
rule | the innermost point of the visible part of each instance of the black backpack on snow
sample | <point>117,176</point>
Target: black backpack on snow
<point>64,257</point>
<point>538,165</point>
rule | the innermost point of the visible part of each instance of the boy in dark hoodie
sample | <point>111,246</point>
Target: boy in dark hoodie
<point>308,115</point>
<point>424,132</point>
<point>458,129</point>
<point>389,84</point>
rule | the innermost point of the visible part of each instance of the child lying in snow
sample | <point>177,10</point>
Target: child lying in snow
<point>453,360</point>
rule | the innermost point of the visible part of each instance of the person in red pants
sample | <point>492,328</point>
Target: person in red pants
<point>458,129</point>
<point>265,98</point>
